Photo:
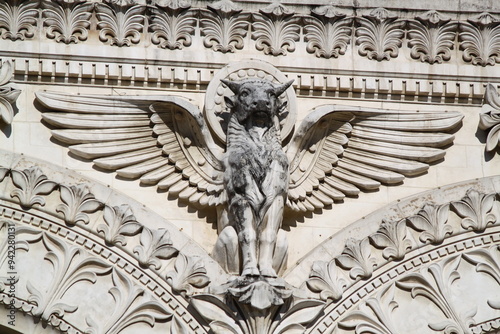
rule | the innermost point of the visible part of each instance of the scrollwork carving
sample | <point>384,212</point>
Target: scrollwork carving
<point>77,202</point>
<point>8,95</point>
<point>480,40</point>
<point>18,19</point>
<point>431,37</point>
<point>172,25</point>
<point>328,34</point>
<point>31,183</point>
<point>379,35</point>
<point>155,246</point>
<point>275,30</point>
<point>120,222</point>
<point>489,118</point>
<point>326,279</point>
<point>391,236</point>
<point>356,256</point>
<point>224,27</point>
<point>431,221</point>
<point>189,273</point>
<point>121,24</point>
<point>476,210</point>
<point>67,22</point>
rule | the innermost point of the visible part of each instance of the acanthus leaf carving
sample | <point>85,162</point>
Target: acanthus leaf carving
<point>476,210</point>
<point>224,27</point>
<point>133,305</point>
<point>176,327</point>
<point>326,279</point>
<point>432,221</point>
<point>172,25</point>
<point>8,95</point>
<point>480,40</point>
<point>120,24</point>
<point>67,22</point>
<point>275,30</point>
<point>71,265</point>
<point>31,183</point>
<point>327,35</point>
<point>431,37</point>
<point>189,273</point>
<point>120,222</point>
<point>375,315</point>
<point>434,283</point>
<point>77,202</point>
<point>18,19</point>
<point>155,245</point>
<point>489,118</point>
<point>391,236</point>
<point>379,35</point>
<point>356,256</point>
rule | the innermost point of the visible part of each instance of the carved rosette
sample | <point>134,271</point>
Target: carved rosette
<point>120,22</point>
<point>327,33</point>
<point>379,35</point>
<point>489,118</point>
<point>18,19</point>
<point>224,26</point>
<point>172,25</point>
<point>8,95</point>
<point>275,30</point>
<point>480,39</point>
<point>431,37</point>
<point>67,21</point>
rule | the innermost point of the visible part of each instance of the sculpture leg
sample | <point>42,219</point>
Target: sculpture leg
<point>247,236</point>
<point>268,234</point>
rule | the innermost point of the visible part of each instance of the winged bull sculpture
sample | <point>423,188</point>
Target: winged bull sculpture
<point>254,174</point>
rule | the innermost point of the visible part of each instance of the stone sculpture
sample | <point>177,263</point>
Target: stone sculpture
<point>255,171</point>
<point>252,165</point>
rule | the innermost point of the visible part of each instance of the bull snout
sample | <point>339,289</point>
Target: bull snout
<point>261,105</point>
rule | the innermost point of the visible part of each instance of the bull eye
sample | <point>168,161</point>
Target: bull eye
<point>244,94</point>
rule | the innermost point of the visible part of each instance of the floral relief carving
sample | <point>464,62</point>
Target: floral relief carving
<point>434,284</point>
<point>326,279</point>
<point>132,305</point>
<point>18,19</point>
<point>224,26</point>
<point>356,256</point>
<point>120,23</point>
<point>480,40</point>
<point>375,315</point>
<point>172,25</point>
<point>155,245</point>
<point>67,22</point>
<point>189,273</point>
<point>8,95</point>
<point>431,37</point>
<point>120,222</point>
<point>71,265</point>
<point>275,30</point>
<point>379,35</point>
<point>328,34</point>
<point>489,118</point>
<point>31,183</point>
<point>77,202</point>
<point>475,209</point>
<point>432,221</point>
<point>391,236</point>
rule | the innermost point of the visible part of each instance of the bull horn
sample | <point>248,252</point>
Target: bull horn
<point>232,85</point>
<point>281,88</point>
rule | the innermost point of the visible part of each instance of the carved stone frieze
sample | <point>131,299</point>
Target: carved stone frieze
<point>18,19</point>
<point>8,95</point>
<point>431,37</point>
<point>120,24</point>
<point>489,118</point>
<point>379,35</point>
<point>67,22</point>
<point>480,39</point>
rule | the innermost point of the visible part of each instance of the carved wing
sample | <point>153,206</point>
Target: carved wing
<point>163,140</point>
<point>339,150</point>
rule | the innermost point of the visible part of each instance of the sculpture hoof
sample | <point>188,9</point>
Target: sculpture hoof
<point>268,272</point>
<point>250,271</point>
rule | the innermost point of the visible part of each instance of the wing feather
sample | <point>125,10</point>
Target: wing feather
<point>340,150</point>
<point>163,140</point>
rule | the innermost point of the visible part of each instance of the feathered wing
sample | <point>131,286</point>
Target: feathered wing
<point>163,140</point>
<point>338,151</point>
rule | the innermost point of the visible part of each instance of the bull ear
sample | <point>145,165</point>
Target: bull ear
<point>233,85</point>
<point>280,89</point>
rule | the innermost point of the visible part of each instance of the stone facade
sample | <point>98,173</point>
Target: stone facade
<point>105,229</point>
